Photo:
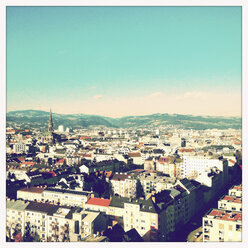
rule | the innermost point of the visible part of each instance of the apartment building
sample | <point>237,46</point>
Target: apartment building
<point>54,195</point>
<point>61,225</point>
<point>15,217</point>
<point>222,225</point>
<point>236,191</point>
<point>195,165</point>
<point>231,203</point>
<point>36,216</point>
<point>65,197</point>
<point>124,185</point>
<point>136,213</point>
<point>151,182</point>
<point>97,204</point>
<point>30,193</point>
<point>20,148</point>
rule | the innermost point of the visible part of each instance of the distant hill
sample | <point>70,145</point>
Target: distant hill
<point>37,118</point>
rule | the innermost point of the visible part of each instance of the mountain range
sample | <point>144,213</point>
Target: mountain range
<point>38,118</point>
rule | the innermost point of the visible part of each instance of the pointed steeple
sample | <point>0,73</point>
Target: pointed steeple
<point>50,123</point>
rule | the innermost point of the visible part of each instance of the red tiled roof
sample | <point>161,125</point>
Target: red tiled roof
<point>99,202</point>
<point>223,215</point>
<point>186,150</point>
<point>21,159</point>
<point>85,137</point>
<point>61,161</point>
<point>237,187</point>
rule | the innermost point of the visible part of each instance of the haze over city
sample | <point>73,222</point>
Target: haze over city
<point>119,61</point>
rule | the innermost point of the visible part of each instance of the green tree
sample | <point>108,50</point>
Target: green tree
<point>27,237</point>
<point>139,189</point>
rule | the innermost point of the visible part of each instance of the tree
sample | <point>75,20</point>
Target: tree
<point>38,160</point>
<point>27,237</point>
<point>36,237</point>
<point>139,189</point>
<point>50,161</point>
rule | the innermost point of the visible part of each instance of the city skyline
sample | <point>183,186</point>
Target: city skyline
<point>120,61</point>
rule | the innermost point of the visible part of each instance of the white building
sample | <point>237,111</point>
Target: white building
<point>194,165</point>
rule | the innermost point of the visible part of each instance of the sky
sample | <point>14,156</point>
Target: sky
<point>119,61</point>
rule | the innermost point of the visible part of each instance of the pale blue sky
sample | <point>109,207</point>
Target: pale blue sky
<point>119,61</point>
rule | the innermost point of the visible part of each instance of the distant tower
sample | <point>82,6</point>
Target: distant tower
<point>50,123</point>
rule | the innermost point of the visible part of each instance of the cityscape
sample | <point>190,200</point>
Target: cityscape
<point>123,124</point>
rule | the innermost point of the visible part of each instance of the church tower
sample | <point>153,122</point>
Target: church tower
<point>50,123</point>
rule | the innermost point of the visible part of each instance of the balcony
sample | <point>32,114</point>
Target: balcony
<point>208,224</point>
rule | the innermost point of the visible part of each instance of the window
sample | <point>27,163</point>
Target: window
<point>221,226</point>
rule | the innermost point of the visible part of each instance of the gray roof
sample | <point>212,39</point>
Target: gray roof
<point>17,205</point>
<point>42,207</point>
<point>188,184</point>
<point>145,205</point>
<point>174,193</point>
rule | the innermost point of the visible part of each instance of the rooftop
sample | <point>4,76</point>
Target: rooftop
<point>33,189</point>
<point>233,199</point>
<point>66,191</point>
<point>42,207</point>
<point>99,202</point>
<point>17,205</point>
<point>225,215</point>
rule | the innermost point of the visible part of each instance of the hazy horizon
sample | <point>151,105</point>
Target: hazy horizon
<point>48,111</point>
<point>125,61</point>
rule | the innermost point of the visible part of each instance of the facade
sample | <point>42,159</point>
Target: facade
<point>222,225</point>
<point>66,197</point>
<point>97,204</point>
<point>136,213</point>
<point>236,191</point>
<point>36,216</point>
<point>30,194</point>
<point>15,217</point>
<point>124,185</point>
<point>20,148</point>
<point>54,195</point>
<point>231,203</point>
<point>194,165</point>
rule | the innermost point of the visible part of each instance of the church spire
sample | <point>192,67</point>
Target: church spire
<point>50,123</point>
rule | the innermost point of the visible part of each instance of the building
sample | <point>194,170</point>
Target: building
<point>97,204</point>
<point>236,191</point>
<point>65,197</point>
<point>20,148</point>
<point>31,193</point>
<point>222,225</point>
<point>135,213</point>
<point>231,203</point>
<point>124,185</point>
<point>15,217</point>
<point>36,216</point>
<point>192,166</point>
